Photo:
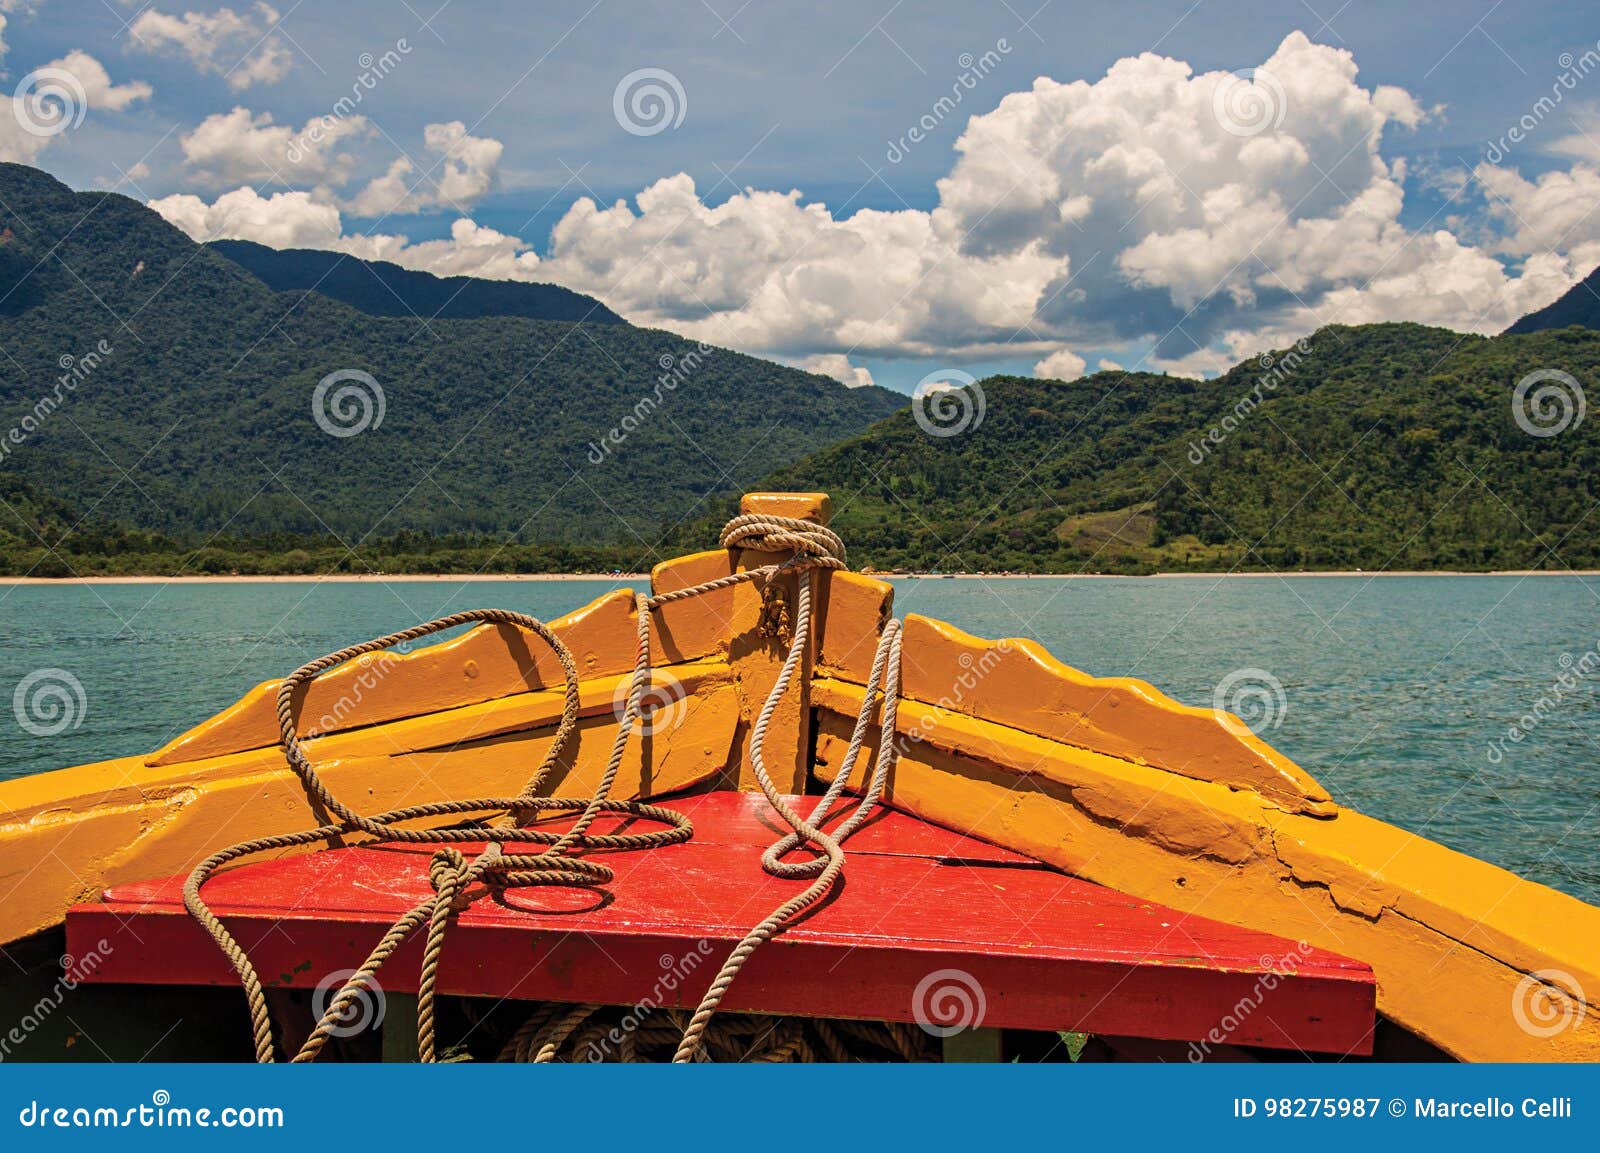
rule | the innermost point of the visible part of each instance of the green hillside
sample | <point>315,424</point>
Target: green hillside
<point>150,385</point>
<point>1387,446</point>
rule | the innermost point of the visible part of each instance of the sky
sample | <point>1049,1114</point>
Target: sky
<point>883,191</point>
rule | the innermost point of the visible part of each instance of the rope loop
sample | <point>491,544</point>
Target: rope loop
<point>814,545</point>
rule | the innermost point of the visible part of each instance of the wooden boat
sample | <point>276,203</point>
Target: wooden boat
<point>1039,864</point>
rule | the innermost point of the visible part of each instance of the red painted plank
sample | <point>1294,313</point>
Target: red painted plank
<point>1047,950</point>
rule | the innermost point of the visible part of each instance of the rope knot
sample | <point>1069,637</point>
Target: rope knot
<point>814,545</point>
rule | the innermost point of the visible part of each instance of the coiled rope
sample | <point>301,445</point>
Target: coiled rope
<point>595,1033</point>
<point>452,875</point>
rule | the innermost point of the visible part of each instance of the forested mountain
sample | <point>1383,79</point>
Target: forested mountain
<point>379,288</point>
<point>148,383</point>
<point>168,411</point>
<point>1579,305</point>
<point>1386,446</point>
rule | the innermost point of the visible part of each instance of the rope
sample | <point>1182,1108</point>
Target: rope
<point>453,876</point>
<point>611,1034</point>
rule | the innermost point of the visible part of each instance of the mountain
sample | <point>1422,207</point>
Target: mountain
<point>1388,446</point>
<point>379,288</point>
<point>152,385</point>
<point>1579,305</point>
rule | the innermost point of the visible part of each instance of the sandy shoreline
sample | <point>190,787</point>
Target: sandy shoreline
<point>332,578</point>
<point>621,578</point>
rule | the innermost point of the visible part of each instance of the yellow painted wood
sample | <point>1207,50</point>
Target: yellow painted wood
<point>812,506</point>
<point>1018,683</point>
<point>483,663</point>
<point>1452,939</point>
<point>64,836</point>
<point>733,615</point>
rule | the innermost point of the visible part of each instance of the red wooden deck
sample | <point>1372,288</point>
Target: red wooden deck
<point>1048,951</point>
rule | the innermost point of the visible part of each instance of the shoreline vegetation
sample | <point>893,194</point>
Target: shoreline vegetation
<point>629,577</point>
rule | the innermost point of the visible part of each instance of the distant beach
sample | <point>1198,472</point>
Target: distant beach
<point>331,578</point>
<point>394,578</point>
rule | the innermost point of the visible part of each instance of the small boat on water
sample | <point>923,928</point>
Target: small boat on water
<point>751,816</point>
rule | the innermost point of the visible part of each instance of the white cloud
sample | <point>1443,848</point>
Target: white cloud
<point>1134,207</point>
<point>282,220</point>
<point>1584,143</point>
<point>52,100</point>
<point>311,220</point>
<point>464,172</point>
<point>1398,105</point>
<point>839,367</point>
<point>1108,365</point>
<point>762,271</point>
<point>472,250</point>
<point>241,46</point>
<point>6,8</point>
<point>228,147</point>
<point>97,84</point>
<point>1061,365</point>
<point>1198,215</point>
<point>1560,211</point>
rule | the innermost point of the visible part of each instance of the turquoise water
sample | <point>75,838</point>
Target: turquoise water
<point>1396,692</point>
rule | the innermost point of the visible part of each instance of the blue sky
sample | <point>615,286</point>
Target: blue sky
<point>811,97</point>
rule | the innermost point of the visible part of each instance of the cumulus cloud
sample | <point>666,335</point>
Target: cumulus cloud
<point>96,82</point>
<point>243,146</point>
<point>311,220</point>
<point>53,99</point>
<point>839,367</point>
<point>471,250</point>
<point>282,220</point>
<point>1204,216</point>
<point>1207,212</point>
<point>465,171</point>
<point>241,46</point>
<point>1062,365</point>
<point>1558,212</point>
